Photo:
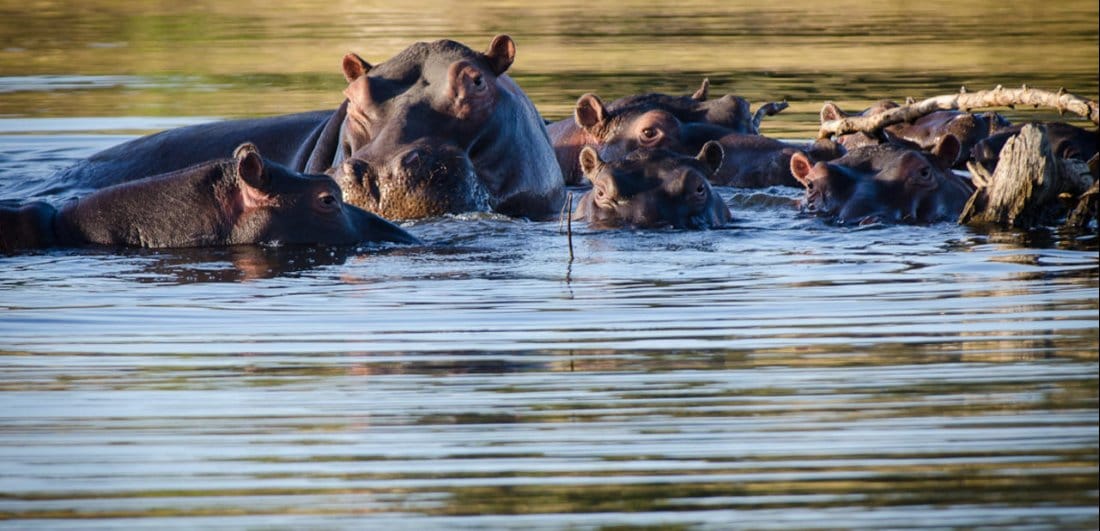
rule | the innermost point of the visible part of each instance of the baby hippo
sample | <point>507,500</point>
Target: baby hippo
<point>885,183</point>
<point>243,200</point>
<point>652,188</point>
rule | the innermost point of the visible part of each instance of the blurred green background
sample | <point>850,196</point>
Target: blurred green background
<point>249,58</point>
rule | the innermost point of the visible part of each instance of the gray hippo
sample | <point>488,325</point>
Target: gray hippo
<point>440,90</point>
<point>652,188</point>
<point>889,183</point>
<point>242,200</point>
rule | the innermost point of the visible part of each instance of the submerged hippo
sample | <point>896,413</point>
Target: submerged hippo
<point>926,131</point>
<point>677,123</point>
<point>885,183</point>
<point>652,188</point>
<point>1067,141</point>
<point>439,90</point>
<point>757,161</point>
<point>242,200</point>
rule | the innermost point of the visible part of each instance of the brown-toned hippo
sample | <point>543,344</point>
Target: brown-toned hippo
<point>1067,141</point>
<point>928,130</point>
<point>885,183</point>
<point>242,200</point>
<point>652,188</point>
<point>678,123</point>
<point>438,90</point>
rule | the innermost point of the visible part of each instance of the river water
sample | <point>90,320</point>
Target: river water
<point>778,373</point>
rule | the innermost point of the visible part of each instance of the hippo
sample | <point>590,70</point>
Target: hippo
<point>757,161</point>
<point>928,130</point>
<point>652,188</point>
<point>429,179</point>
<point>438,90</point>
<point>679,123</point>
<point>460,97</point>
<point>889,183</point>
<point>242,200</point>
<point>1067,141</point>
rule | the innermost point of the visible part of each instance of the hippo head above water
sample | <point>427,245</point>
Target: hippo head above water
<point>427,179</point>
<point>447,89</point>
<point>657,121</point>
<point>884,183</point>
<point>652,188</point>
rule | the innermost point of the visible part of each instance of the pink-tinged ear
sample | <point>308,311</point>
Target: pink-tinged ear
<point>831,112</point>
<point>589,112</point>
<point>590,162</point>
<point>354,67</point>
<point>501,54</point>
<point>801,167</point>
<point>704,89</point>
<point>712,155</point>
<point>947,151</point>
<point>358,92</point>
<point>250,166</point>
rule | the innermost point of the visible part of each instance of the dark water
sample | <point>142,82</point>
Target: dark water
<point>780,373</point>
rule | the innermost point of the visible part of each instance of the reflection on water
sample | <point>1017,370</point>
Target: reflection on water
<point>779,373</point>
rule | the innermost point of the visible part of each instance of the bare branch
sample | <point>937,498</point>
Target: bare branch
<point>964,101</point>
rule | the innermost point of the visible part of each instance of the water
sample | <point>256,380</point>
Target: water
<point>779,373</point>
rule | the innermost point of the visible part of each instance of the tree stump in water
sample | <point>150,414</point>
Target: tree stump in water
<point>1029,187</point>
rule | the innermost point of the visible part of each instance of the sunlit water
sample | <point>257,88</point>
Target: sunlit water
<point>778,373</point>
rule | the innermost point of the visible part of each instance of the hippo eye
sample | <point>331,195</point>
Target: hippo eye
<point>478,81</point>
<point>700,190</point>
<point>328,201</point>
<point>649,133</point>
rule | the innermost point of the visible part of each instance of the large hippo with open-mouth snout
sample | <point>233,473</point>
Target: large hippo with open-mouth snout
<point>242,200</point>
<point>439,90</point>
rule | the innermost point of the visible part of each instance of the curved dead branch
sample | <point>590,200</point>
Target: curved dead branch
<point>964,101</point>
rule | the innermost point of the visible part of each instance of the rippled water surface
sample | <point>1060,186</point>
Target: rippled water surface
<point>779,373</point>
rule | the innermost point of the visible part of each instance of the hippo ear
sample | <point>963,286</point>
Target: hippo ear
<point>250,166</point>
<point>590,161</point>
<point>947,151</point>
<point>701,94</point>
<point>801,167</point>
<point>831,112</point>
<point>712,155</point>
<point>589,112</point>
<point>501,54</point>
<point>354,67</point>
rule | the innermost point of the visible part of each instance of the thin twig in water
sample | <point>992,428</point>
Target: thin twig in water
<point>569,223</point>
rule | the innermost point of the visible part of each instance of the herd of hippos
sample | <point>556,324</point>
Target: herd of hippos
<point>439,129</point>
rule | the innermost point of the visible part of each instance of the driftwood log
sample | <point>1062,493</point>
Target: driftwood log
<point>1030,187</point>
<point>964,101</point>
